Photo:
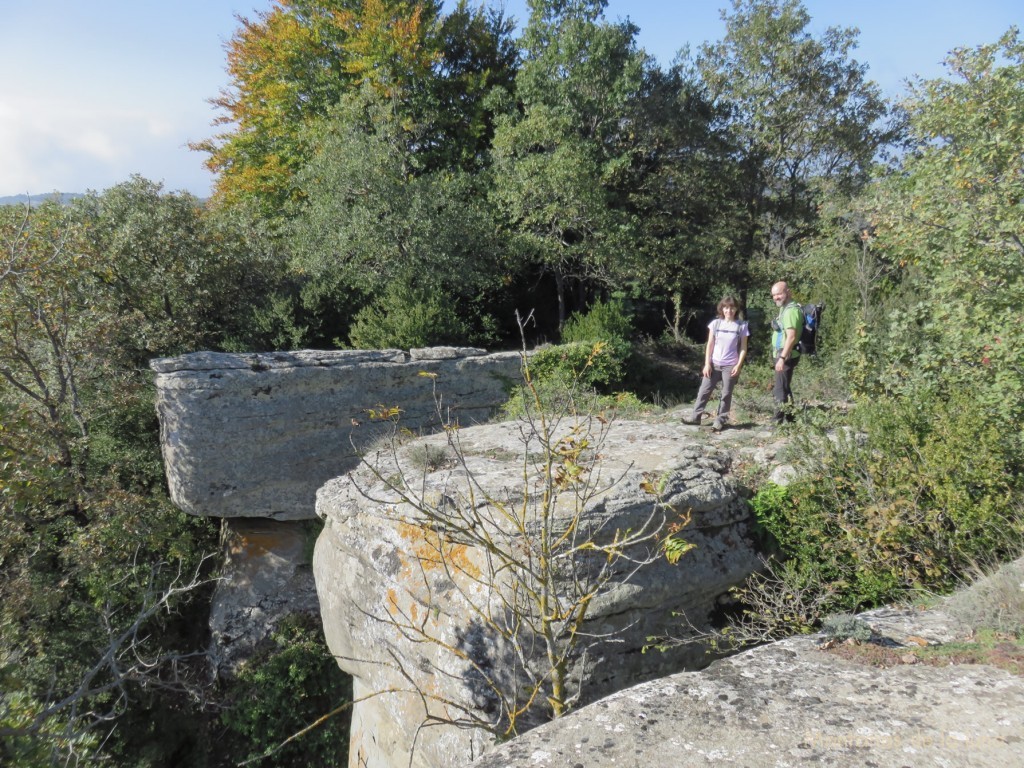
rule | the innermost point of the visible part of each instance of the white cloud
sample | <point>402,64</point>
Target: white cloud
<point>48,144</point>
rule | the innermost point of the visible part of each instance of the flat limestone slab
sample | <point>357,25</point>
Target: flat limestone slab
<point>791,704</point>
<point>255,435</point>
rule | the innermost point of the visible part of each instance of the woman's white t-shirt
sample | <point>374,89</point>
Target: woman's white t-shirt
<point>727,333</point>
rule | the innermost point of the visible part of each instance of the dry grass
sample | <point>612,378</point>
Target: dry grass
<point>990,648</point>
<point>993,608</point>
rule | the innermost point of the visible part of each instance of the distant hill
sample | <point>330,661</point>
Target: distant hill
<point>65,198</point>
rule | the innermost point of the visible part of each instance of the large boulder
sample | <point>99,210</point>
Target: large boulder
<point>794,703</point>
<point>254,435</point>
<point>407,625</point>
<point>250,437</point>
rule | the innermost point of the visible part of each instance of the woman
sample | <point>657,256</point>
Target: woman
<point>724,355</point>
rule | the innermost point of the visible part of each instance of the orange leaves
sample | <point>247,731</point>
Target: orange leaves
<point>285,71</point>
<point>388,43</point>
<point>291,64</point>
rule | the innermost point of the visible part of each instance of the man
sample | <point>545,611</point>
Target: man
<point>785,338</point>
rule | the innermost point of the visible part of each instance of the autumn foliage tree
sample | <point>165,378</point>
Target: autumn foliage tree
<point>291,64</point>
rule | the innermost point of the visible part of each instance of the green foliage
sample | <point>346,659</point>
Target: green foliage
<point>951,219</point>
<point>26,745</point>
<point>558,162</point>
<point>100,571</point>
<point>675,547</point>
<point>805,120</point>
<point>380,228</point>
<point>773,506</point>
<point>561,393</point>
<point>285,687</point>
<point>595,349</point>
<point>604,321</point>
<point>925,484</point>
<point>919,495</point>
<point>404,318</point>
<point>582,363</point>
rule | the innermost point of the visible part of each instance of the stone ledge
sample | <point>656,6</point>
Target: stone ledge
<point>197,362</point>
<point>790,703</point>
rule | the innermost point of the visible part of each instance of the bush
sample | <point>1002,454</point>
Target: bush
<point>593,351</point>
<point>405,318</point>
<point>286,687</point>
<point>607,322</point>
<point>923,493</point>
<point>994,602</point>
<point>587,364</point>
<point>558,397</point>
<point>844,626</point>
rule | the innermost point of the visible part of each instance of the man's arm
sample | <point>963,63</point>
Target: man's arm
<point>788,342</point>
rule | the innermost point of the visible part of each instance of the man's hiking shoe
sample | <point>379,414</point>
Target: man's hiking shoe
<point>691,419</point>
<point>718,426</point>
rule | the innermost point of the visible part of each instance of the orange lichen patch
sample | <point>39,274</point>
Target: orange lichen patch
<point>260,540</point>
<point>392,602</point>
<point>432,552</point>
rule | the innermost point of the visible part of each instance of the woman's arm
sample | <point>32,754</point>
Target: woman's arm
<point>743,357</point>
<point>709,349</point>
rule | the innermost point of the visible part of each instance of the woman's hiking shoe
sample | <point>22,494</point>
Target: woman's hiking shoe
<point>718,426</point>
<point>691,419</point>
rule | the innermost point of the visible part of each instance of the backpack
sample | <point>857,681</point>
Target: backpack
<point>808,343</point>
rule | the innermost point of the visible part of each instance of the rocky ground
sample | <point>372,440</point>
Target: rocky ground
<point>811,700</point>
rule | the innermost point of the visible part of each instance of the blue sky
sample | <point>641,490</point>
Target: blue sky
<point>96,91</point>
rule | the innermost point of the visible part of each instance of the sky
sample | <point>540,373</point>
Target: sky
<point>97,91</point>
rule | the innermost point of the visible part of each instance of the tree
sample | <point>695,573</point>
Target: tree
<point>92,557</point>
<point>292,64</point>
<point>951,217</point>
<point>679,200</point>
<point>556,160</point>
<point>382,226</point>
<point>150,260</point>
<point>286,67</point>
<point>805,121</point>
<point>45,293</point>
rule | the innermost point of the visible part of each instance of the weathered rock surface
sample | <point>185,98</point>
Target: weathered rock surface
<point>791,703</point>
<point>267,574</point>
<point>254,435</point>
<point>369,571</point>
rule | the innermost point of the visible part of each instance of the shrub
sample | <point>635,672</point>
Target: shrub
<point>404,318</point>
<point>844,626</point>
<point>994,602</point>
<point>604,321</point>
<point>922,493</point>
<point>287,686</point>
<point>587,364</point>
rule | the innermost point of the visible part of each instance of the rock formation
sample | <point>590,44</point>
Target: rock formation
<point>791,703</point>
<point>256,435</point>
<point>250,437</point>
<point>376,571</point>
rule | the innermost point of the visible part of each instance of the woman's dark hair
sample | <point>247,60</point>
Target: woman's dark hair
<point>730,301</point>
